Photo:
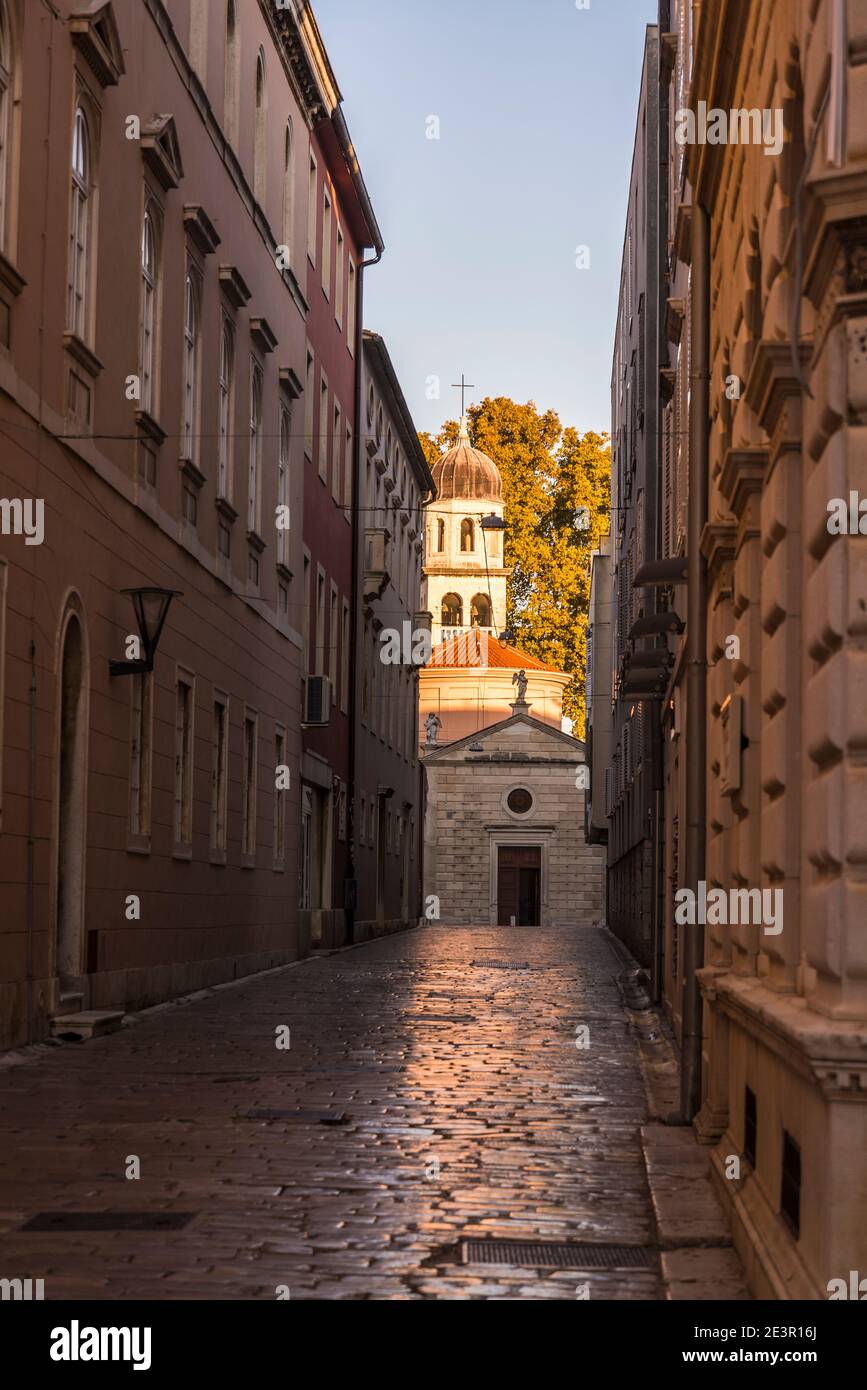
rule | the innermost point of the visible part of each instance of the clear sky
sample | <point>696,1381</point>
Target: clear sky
<point>536,102</point>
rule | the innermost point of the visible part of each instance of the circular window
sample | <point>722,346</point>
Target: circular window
<point>520,801</point>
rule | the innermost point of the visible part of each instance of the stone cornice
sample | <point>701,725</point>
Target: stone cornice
<point>831,1053</point>
<point>773,379</point>
<point>718,546</point>
<point>742,474</point>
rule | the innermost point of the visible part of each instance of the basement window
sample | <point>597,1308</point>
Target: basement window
<point>750,1127</point>
<point>790,1188</point>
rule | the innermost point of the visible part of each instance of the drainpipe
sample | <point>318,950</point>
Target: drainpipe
<point>696,653</point>
<point>31,842</point>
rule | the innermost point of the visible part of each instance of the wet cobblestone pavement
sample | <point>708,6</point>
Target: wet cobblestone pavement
<point>465,1111</point>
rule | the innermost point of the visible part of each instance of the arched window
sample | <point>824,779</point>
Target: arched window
<point>441,536</point>
<point>259,145</point>
<point>148,310</point>
<point>468,539</point>
<point>6,101</point>
<point>192,356</point>
<point>227,357</point>
<point>233,54</point>
<point>288,187</point>
<point>79,227</point>
<point>480,611</point>
<point>452,611</point>
<point>255,472</point>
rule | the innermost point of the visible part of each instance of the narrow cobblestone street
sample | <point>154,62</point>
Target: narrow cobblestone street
<point>467,1112</point>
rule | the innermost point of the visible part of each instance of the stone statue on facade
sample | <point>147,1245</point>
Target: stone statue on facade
<point>520,680</point>
<point>432,726</point>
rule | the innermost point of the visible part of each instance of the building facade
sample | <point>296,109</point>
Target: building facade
<point>600,723</point>
<point>340,224</point>
<point>154,324</point>
<point>633,803</point>
<point>395,485</point>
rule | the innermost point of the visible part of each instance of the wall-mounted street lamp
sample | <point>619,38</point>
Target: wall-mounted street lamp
<point>151,610</point>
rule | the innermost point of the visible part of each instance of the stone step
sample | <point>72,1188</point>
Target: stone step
<point>90,1023</point>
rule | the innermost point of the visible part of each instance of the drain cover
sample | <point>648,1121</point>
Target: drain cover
<point>503,964</point>
<point>109,1221</point>
<point>441,1018</point>
<point>304,1117</point>
<point>539,1255</point>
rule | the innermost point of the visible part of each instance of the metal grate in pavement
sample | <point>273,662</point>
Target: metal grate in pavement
<point>441,1018</point>
<point>503,964</point>
<point>304,1117</point>
<point>109,1221</point>
<point>548,1255</point>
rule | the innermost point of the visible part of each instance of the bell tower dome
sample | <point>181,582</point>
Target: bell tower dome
<point>464,576</point>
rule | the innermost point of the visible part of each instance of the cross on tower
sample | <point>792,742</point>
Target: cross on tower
<point>463,386</point>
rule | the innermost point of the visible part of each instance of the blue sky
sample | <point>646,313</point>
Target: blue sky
<point>536,102</point>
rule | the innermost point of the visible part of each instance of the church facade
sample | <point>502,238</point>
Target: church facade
<point>505,783</point>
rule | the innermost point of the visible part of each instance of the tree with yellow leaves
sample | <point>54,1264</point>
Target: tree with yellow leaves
<point>556,495</point>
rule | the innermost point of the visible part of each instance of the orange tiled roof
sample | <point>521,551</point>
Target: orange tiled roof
<point>465,651</point>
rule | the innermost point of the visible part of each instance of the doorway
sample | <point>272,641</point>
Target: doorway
<point>72,813</point>
<point>519,883</point>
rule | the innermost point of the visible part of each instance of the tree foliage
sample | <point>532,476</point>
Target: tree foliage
<point>550,475</point>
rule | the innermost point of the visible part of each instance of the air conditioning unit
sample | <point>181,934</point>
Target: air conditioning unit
<point>317,700</point>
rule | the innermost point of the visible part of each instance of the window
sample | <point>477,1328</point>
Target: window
<point>147,466</point>
<point>520,801</point>
<point>140,755</point>
<point>338,280</point>
<point>192,354</point>
<point>311,208</point>
<point>279,798</point>
<point>288,188</point>
<point>190,505</point>
<point>344,658</point>
<point>227,357</point>
<point>348,473</point>
<point>147,350</point>
<point>333,636</point>
<point>468,539</point>
<point>183,827</point>
<point>6,108</point>
<point>219,776</point>
<point>323,428</point>
<point>350,306</point>
<point>452,611</point>
<point>337,451</point>
<point>362,820</point>
<point>233,66</point>
<point>283,487</point>
<point>305,616</point>
<point>320,623</point>
<point>78,288</point>
<point>259,132</point>
<point>365,674</point>
<point>224,543</point>
<point>326,243</point>
<point>480,611</point>
<point>254,480</point>
<point>248,807</point>
<point>308,404</point>
<point>441,536</point>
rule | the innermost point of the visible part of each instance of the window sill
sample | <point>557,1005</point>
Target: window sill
<point>248,861</point>
<point>183,852</point>
<point>82,354</point>
<point>10,278</point>
<point>226,510</point>
<point>192,472</point>
<point>150,427</point>
<point>138,844</point>
<point>219,858</point>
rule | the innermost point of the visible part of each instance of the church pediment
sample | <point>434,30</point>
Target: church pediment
<point>517,740</point>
